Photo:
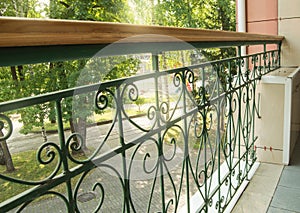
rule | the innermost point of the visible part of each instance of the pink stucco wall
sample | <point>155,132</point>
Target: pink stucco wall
<point>262,18</point>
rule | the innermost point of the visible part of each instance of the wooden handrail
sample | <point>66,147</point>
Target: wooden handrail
<point>18,32</point>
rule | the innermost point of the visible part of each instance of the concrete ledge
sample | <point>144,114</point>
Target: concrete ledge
<point>260,190</point>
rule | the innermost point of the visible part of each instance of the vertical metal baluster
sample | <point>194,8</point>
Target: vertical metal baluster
<point>155,66</point>
<point>218,73</point>
<point>247,118</point>
<point>186,142</point>
<point>239,121</point>
<point>279,53</point>
<point>64,155</point>
<point>204,101</point>
<point>254,110</point>
<point>229,123</point>
<point>126,205</point>
<point>265,59</point>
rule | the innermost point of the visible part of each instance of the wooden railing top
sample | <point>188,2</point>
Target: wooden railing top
<point>18,32</point>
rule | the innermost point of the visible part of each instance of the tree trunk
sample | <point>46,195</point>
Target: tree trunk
<point>6,154</point>
<point>82,132</point>
<point>20,72</point>
<point>14,73</point>
<point>79,127</point>
<point>2,159</point>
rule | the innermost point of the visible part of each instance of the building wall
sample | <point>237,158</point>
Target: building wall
<point>289,27</point>
<point>276,17</point>
<point>261,17</point>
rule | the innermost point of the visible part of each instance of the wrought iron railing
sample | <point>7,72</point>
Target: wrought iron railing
<point>189,147</point>
<point>189,152</point>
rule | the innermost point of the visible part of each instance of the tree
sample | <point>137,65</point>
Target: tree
<point>20,8</point>
<point>16,8</point>
<point>7,160</point>
<point>6,90</point>
<point>113,11</point>
<point>47,77</point>
<point>94,10</point>
<point>207,14</point>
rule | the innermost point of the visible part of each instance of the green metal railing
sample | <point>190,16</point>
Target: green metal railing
<point>189,152</point>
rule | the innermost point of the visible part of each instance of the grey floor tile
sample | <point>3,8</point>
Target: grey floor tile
<point>277,210</point>
<point>290,178</point>
<point>295,161</point>
<point>286,198</point>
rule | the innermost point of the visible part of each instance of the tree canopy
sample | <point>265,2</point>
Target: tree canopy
<point>28,80</point>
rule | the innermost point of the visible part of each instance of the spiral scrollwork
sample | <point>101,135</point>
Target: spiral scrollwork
<point>147,170</point>
<point>198,126</point>
<point>201,178</point>
<point>46,154</point>
<point>5,123</point>
<point>74,144</point>
<point>177,79</point>
<point>226,147</point>
<point>178,130</point>
<point>173,141</point>
<point>189,76</point>
<point>100,187</point>
<point>209,121</point>
<point>169,204</point>
<point>86,191</point>
<point>164,110</point>
<point>102,100</point>
<point>152,113</point>
<point>133,92</point>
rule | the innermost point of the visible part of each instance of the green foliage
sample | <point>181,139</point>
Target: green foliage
<point>36,79</point>
<point>94,10</point>
<point>206,14</point>
<point>139,102</point>
<point>29,80</point>
<point>20,8</point>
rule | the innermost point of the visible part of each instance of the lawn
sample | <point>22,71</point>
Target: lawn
<point>27,168</point>
<point>108,115</point>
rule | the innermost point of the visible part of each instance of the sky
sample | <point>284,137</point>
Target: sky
<point>41,5</point>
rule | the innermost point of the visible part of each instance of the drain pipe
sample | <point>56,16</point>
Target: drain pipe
<point>241,18</point>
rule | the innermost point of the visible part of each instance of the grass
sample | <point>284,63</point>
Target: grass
<point>96,118</point>
<point>27,168</point>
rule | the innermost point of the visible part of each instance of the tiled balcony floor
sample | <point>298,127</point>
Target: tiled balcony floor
<point>273,188</point>
<point>287,195</point>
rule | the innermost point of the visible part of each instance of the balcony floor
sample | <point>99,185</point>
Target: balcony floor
<point>273,188</point>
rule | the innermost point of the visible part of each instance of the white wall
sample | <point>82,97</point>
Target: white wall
<point>289,26</point>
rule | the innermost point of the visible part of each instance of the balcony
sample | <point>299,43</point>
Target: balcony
<point>273,188</point>
<point>179,139</point>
